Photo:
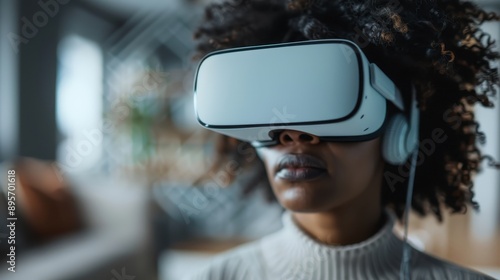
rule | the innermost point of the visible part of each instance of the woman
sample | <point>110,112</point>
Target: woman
<point>337,195</point>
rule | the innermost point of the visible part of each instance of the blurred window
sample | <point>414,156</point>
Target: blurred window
<point>79,102</point>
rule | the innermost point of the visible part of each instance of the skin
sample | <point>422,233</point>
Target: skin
<point>343,205</point>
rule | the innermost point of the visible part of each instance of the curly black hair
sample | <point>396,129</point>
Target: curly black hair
<point>438,46</point>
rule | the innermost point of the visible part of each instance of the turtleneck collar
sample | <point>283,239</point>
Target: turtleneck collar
<point>292,254</point>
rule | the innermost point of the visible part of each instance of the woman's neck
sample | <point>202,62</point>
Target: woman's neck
<point>351,223</point>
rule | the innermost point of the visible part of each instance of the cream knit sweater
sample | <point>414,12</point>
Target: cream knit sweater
<point>290,254</point>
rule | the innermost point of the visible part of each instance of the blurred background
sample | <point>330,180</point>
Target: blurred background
<point>96,117</point>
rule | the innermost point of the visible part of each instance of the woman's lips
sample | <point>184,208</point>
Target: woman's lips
<point>298,174</point>
<point>298,167</point>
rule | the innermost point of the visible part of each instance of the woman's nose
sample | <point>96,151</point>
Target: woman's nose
<point>288,137</point>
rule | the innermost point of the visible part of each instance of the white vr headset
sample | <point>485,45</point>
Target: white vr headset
<point>327,88</point>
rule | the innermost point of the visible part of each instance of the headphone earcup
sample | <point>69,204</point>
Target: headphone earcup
<point>394,141</point>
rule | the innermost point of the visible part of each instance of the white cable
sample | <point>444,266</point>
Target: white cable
<point>405,263</point>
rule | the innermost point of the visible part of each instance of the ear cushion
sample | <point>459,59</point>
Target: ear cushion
<point>394,140</point>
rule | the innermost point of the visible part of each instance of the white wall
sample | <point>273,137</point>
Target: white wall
<point>487,221</point>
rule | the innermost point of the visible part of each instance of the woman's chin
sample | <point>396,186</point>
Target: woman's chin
<point>303,199</point>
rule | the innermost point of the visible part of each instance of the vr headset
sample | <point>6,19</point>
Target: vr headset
<point>327,88</point>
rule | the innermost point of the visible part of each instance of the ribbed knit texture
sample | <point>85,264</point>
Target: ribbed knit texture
<point>291,254</point>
